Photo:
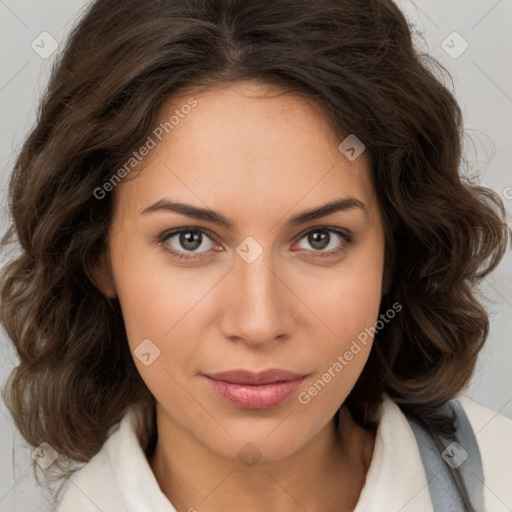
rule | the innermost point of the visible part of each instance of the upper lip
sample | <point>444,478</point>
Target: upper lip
<point>248,377</point>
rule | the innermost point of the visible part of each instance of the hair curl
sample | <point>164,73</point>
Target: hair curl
<point>356,59</point>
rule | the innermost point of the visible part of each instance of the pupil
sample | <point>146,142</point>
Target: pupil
<point>320,241</point>
<point>189,240</point>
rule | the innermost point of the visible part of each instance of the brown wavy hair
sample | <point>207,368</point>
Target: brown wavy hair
<point>357,60</point>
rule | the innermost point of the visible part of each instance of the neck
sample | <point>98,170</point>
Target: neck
<point>327,474</point>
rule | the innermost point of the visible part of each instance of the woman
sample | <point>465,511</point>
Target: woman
<point>248,263</point>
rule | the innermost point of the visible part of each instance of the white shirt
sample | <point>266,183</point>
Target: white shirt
<point>119,479</point>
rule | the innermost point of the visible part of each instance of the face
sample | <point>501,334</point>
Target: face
<point>266,289</point>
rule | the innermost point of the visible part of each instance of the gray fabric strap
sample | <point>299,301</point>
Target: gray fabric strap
<point>449,459</point>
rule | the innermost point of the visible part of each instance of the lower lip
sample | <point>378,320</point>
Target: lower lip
<point>262,396</point>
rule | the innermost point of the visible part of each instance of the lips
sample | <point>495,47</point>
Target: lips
<point>251,378</point>
<point>248,390</point>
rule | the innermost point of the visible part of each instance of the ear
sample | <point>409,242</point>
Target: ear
<point>101,275</point>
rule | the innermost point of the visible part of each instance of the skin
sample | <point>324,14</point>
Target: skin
<point>257,160</point>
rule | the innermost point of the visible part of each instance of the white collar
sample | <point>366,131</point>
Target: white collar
<point>396,479</point>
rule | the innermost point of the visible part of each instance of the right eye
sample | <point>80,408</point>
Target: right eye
<point>182,243</point>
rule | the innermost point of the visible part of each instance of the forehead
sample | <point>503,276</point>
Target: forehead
<point>250,143</point>
<point>252,117</point>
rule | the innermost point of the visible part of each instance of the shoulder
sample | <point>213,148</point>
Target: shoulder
<point>118,478</point>
<point>493,432</point>
<point>491,428</point>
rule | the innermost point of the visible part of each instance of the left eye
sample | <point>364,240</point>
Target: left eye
<point>322,240</point>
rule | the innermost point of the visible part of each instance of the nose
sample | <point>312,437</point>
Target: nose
<point>259,308</point>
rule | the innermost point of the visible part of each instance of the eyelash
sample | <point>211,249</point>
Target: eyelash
<point>347,237</point>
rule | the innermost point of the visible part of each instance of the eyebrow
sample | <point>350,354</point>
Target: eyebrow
<point>194,212</point>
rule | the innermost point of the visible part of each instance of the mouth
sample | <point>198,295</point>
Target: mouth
<point>248,390</point>
<point>253,378</point>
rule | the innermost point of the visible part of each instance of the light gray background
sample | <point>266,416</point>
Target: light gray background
<point>482,83</point>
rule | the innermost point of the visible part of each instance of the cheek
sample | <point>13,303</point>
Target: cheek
<point>346,305</point>
<point>157,316</point>
<point>349,310</point>
<point>156,295</point>
<point>345,299</point>
<point>165,305</point>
